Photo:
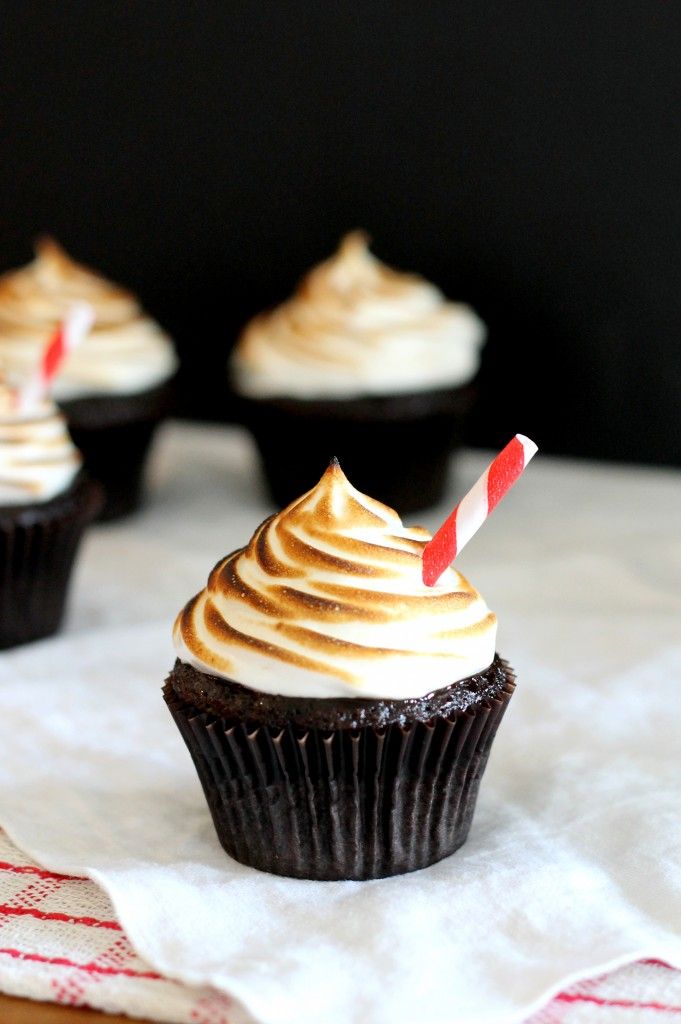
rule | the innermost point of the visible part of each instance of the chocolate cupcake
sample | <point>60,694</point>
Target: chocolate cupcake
<point>115,388</point>
<point>46,501</point>
<point>365,363</point>
<point>339,712</point>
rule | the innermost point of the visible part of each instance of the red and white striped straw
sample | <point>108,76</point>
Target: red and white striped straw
<point>475,507</point>
<point>71,333</point>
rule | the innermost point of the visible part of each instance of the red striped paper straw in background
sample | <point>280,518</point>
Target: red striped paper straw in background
<point>71,333</point>
<point>475,507</point>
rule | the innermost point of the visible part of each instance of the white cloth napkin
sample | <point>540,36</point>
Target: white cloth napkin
<point>572,864</point>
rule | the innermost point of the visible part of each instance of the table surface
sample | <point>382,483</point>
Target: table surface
<point>25,1011</point>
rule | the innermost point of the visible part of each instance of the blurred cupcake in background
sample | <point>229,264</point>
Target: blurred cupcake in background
<point>115,388</point>
<point>365,363</point>
<point>46,501</point>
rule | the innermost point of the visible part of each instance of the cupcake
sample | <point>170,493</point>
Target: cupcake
<point>115,388</point>
<point>365,363</point>
<point>46,501</point>
<point>339,712</point>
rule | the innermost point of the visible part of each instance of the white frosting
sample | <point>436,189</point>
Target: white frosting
<point>328,600</point>
<point>125,352</point>
<point>38,459</point>
<point>357,327</point>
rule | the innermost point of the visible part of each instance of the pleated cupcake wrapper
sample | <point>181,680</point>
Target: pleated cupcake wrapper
<point>116,457</point>
<point>407,482</point>
<point>396,448</point>
<point>352,804</point>
<point>114,434</point>
<point>37,551</point>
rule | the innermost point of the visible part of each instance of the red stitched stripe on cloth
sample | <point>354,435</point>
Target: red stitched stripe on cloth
<point>31,869</point>
<point>627,1004</point>
<point>55,915</point>
<point>59,961</point>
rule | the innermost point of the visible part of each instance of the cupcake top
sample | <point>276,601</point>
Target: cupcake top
<point>327,600</point>
<point>38,459</point>
<point>126,351</point>
<point>356,327</point>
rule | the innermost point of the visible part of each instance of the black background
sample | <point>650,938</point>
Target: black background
<point>524,156</point>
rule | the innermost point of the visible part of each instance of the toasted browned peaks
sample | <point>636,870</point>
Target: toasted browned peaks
<point>421,533</point>
<point>313,558</point>
<point>225,580</point>
<point>37,292</point>
<point>21,485</point>
<point>225,633</point>
<point>351,269</point>
<point>184,624</point>
<point>413,544</point>
<point>330,644</point>
<point>260,548</point>
<point>309,571</point>
<point>473,629</point>
<point>185,620</point>
<point>332,504</point>
<point>302,341</point>
<point>49,251</point>
<point>394,605</point>
<point>359,548</point>
<point>302,604</point>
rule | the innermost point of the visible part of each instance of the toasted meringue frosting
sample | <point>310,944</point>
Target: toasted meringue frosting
<point>38,459</point>
<point>356,327</point>
<point>327,600</point>
<point>126,351</point>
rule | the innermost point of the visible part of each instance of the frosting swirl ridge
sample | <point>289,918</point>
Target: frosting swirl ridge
<point>357,327</point>
<point>327,600</point>
<point>125,352</point>
<point>38,459</point>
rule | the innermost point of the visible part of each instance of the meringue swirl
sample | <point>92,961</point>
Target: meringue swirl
<point>327,600</point>
<point>126,351</point>
<point>38,459</point>
<point>356,327</point>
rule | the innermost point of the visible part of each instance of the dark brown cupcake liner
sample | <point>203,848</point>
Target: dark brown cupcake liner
<point>114,434</point>
<point>395,448</point>
<point>38,545</point>
<point>346,803</point>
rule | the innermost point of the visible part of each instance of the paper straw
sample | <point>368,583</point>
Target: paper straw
<point>68,336</point>
<point>475,507</point>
